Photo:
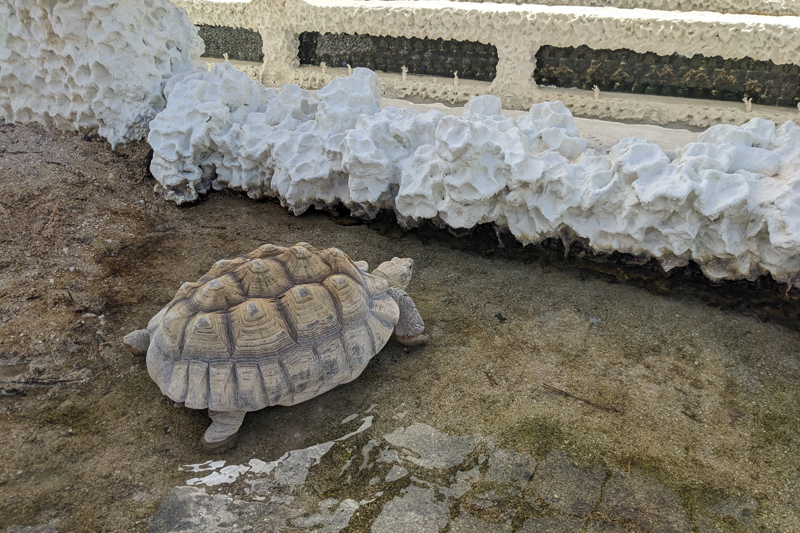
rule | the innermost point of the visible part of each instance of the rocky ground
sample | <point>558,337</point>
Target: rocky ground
<point>548,399</point>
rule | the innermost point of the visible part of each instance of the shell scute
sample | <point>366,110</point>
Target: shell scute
<point>333,358</point>
<point>221,267</point>
<point>303,265</point>
<point>266,250</point>
<point>179,381</point>
<point>186,290</point>
<point>168,334</point>
<point>375,285</point>
<point>310,311</point>
<point>341,264</point>
<point>380,332</point>
<point>251,385</point>
<point>197,388</point>
<point>352,297</point>
<point>276,381</point>
<point>259,327</point>
<point>264,278</point>
<point>385,309</point>
<point>221,386</point>
<point>358,345</point>
<point>217,294</point>
<point>206,336</point>
<point>159,367</point>
<point>305,374</point>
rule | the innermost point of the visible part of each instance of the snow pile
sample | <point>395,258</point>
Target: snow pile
<point>465,175</point>
<point>730,201</point>
<point>222,129</point>
<point>91,65</point>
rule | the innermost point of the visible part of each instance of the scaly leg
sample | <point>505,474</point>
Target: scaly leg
<point>137,342</point>
<point>410,329</point>
<point>221,434</point>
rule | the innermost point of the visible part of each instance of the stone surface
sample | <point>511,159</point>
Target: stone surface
<point>466,523</point>
<point>434,449</point>
<point>651,506</point>
<point>564,486</point>
<point>558,524</point>
<point>418,479</point>
<point>331,518</point>
<point>46,528</point>
<point>189,509</point>
<point>107,79</point>
<point>415,511</point>
<point>506,466</point>
<point>397,472</point>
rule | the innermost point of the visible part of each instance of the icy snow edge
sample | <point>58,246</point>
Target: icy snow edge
<point>728,201</point>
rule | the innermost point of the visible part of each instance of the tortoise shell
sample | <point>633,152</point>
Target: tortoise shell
<point>275,327</point>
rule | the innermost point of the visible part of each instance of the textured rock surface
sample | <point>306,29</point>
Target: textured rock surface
<point>88,66</point>
<point>727,201</point>
<point>651,506</point>
<point>515,492</point>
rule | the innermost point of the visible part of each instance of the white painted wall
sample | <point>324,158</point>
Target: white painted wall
<point>752,7</point>
<point>517,31</point>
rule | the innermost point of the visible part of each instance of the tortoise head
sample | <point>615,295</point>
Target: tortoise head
<point>397,272</point>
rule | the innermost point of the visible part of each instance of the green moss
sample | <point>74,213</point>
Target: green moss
<point>538,436</point>
<point>780,425</point>
<point>72,417</point>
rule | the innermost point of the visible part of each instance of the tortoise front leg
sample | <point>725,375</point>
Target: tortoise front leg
<point>410,329</point>
<point>221,434</point>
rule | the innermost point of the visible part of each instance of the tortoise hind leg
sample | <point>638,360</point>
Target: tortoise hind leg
<point>410,329</point>
<point>137,342</point>
<point>221,434</point>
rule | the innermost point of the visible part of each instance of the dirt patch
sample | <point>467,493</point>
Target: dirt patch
<point>700,398</point>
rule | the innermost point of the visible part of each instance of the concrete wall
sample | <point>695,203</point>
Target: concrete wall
<point>752,7</point>
<point>517,31</point>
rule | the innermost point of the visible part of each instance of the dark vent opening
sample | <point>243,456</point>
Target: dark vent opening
<point>434,57</point>
<point>240,44</point>
<point>698,76</point>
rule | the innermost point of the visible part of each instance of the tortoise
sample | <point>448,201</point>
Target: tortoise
<point>278,326</point>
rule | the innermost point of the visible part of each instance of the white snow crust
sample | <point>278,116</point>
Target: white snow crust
<point>730,201</point>
<point>91,65</point>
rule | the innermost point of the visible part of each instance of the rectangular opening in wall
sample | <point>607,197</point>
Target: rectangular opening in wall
<point>698,76</point>
<point>240,44</point>
<point>434,57</point>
